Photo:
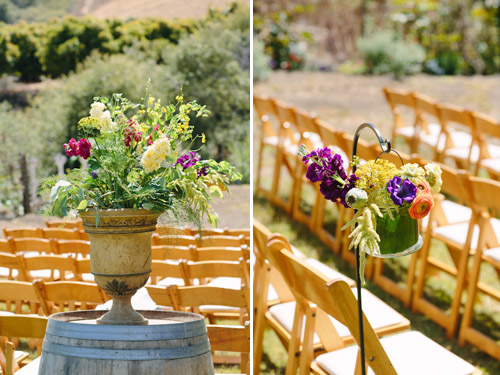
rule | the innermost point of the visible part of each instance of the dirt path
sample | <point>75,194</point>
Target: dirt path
<point>347,100</point>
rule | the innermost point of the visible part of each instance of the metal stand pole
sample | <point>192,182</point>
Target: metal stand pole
<point>386,147</point>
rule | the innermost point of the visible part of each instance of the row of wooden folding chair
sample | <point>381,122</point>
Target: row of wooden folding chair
<point>42,245</point>
<point>278,314</point>
<point>467,137</point>
<point>47,233</point>
<point>387,356</point>
<point>199,241</point>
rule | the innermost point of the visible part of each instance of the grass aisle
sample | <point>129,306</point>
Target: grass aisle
<point>274,358</point>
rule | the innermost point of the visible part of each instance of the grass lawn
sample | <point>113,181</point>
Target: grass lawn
<point>440,290</point>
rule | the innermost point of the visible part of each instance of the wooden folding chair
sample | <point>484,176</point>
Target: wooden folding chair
<point>486,153</point>
<point>23,232</point>
<point>75,248</point>
<point>20,326</point>
<point>22,294</point>
<point>487,252</point>
<point>10,268</point>
<point>330,215</point>
<point>83,270</point>
<point>56,296</point>
<point>162,296</point>
<point>268,138</point>
<point>286,157</point>
<point>165,230</point>
<point>310,137</point>
<point>219,241</point>
<point>63,223</point>
<point>193,298</point>
<point>5,246</point>
<point>61,233</point>
<point>386,356</point>
<point>163,252</point>
<point>32,245</point>
<point>230,338</point>
<point>450,223</point>
<point>222,253</point>
<point>457,129</point>
<point>173,240</point>
<point>48,267</point>
<point>164,272</point>
<point>402,101</point>
<point>428,124</point>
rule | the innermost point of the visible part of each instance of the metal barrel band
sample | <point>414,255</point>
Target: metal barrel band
<point>126,354</point>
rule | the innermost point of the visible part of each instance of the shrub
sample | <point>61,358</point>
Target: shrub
<point>261,68</point>
<point>383,53</point>
<point>207,70</point>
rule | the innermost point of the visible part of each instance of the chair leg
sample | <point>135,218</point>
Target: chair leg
<point>471,297</point>
<point>294,346</point>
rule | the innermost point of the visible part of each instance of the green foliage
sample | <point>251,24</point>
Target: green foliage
<point>261,68</point>
<point>207,70</point>
<point>56,47</point>
<point>460,37</point>
<point>383,53</point>
<point>282,44</point>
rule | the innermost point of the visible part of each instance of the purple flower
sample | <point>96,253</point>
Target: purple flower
<point>188,160</point>
<point>328,168</point>
<point>94,174</point>
<point>202,171</point>
<point>401,192</point>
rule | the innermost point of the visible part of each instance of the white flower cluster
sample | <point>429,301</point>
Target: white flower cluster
<point>155,154</point>
<point>97,111</point>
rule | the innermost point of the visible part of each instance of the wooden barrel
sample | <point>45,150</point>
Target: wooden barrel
<point>171,343</point>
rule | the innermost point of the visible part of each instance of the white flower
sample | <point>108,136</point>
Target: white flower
<point>96,109</point>
<point>155,155</point>
<point>107,124</point>
<point>434,177</point>
<point>412,172</point>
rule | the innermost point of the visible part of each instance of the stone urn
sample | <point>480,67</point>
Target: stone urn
<point>120,257</point>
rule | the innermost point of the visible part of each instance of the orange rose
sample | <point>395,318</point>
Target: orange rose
<point>421,206</point>
<point>424,188</point>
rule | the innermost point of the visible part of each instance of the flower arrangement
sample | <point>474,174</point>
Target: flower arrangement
<point>378,189</point>
<point>139,157</point>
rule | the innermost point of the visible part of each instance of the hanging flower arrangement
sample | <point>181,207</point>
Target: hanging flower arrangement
<point>387,198</point>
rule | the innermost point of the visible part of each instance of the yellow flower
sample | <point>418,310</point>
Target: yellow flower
<point>163,109</point>
<point>434,177</point>
<point>375,175</point>
<point>203,137</point>
<point>179,98</point>
<point>151,100</point>
<point>412,172</point>
<point>141,111</point>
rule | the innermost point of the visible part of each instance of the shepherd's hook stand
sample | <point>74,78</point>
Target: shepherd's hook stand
<point>386,148</point>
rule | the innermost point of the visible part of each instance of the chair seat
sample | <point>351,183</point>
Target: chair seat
<point>411,353</point>
<point>460,139</point>
<point>454,213</point>
<point>170,281</point>
<point>406,131</point>
<point>457,233</point>
<point>31,368</point>
<point>492,164</point>
<point>493,253</point>
<point>271,141</point>
<point>378,313</point>
<point>463,152</point>
<point>226,282</point>
<point>4,273</point>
